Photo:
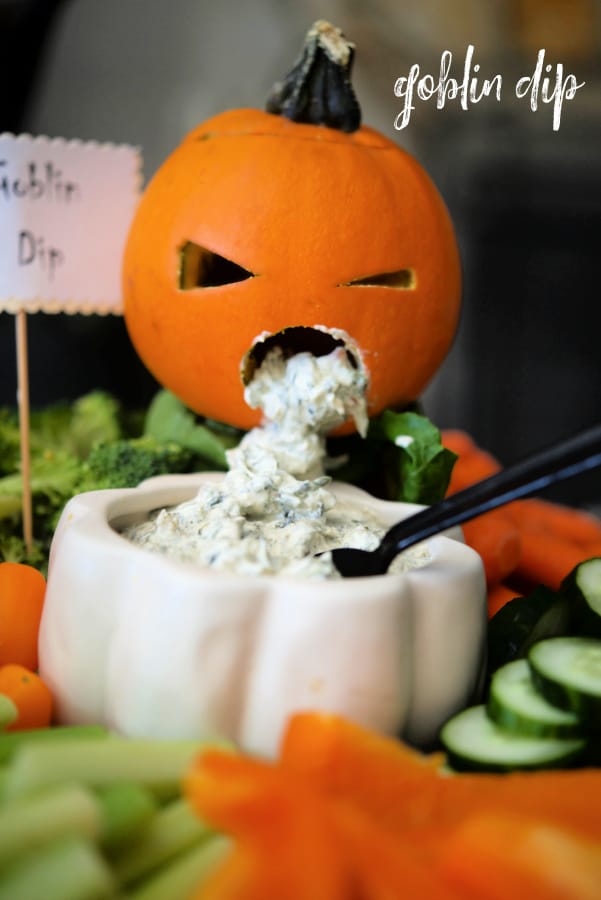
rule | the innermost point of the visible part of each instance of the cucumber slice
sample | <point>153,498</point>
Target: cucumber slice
<point>567,671</point>
<point>583,587</point>
<point>515,704</point>
<point>474,742</point>
<point>524,621</point>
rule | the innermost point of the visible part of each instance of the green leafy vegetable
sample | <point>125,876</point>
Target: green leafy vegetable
<point>170,422</point>
<point>401,459</point>
<point>420,467</point>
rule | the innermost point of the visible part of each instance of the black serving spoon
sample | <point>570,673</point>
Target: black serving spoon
<point>563,460</point>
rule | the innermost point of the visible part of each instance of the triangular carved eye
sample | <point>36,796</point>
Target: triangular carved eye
<point>201,268</point>
<point>403,280</point>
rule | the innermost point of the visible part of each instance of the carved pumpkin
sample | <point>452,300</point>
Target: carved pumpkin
<point>266,221</point>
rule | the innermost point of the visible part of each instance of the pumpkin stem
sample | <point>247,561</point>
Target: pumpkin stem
<point>318,89</point>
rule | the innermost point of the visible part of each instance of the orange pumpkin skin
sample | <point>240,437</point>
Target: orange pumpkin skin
<point>307,209</point>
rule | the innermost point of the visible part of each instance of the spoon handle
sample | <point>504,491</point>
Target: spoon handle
<point>564,460</point>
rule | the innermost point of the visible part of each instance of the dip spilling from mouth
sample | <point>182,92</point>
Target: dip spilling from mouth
<point>273,512</point>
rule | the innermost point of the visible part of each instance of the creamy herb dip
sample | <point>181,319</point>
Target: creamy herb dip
<point>273,511</point>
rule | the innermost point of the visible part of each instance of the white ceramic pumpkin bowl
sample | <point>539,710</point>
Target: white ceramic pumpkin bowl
<point>151,646</point>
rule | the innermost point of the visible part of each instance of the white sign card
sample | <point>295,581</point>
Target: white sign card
<point>65,211</point>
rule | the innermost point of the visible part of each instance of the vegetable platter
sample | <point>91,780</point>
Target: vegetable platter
<point>102,815</point>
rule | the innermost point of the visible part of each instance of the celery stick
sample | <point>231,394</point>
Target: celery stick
<point>156,765</point>
<point>185,874</point>
<point>8,711</point>
<point>126,808</point>
<point>174,828</point>
<point>11,742</point>
<point>69,868</point>
<point>31,821</point>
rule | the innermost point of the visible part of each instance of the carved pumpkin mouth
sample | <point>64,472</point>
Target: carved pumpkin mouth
<point>318,340</point>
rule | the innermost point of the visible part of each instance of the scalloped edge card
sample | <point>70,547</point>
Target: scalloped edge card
<point>65,211</point>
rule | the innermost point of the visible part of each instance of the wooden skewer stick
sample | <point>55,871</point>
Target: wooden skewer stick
<point>23,404</point>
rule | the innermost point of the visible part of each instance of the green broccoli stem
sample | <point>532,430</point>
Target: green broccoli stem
<point>318,89</point>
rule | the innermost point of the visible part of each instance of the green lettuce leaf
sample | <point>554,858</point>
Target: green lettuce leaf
<point>419,467</point>
<point>402,458</point>
<point>169,421</point>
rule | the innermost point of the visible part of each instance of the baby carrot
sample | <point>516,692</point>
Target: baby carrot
<point>458,441</point>
<point>573,525</point>
<point>547,559</point>
<point>498,596</point>
<point>30,695</point>
<point>473,463</point>
<point>497,540</point>
<point>22,591</point>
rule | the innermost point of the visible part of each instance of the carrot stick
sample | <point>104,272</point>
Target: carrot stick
<point>566,798</point>
<point>467,470</point>
<point>405,792</point>
<point>384,866</point>
<point>285,843</point>
<point>498,596</point>
<point>366,769</point>
<point>497,540</point>
<point>573,525</point>
<point>458,442</point>
<point>348,812</point>
<point>495,856</point>
<point>547,559</point>
<point>551,538</point>
<point>286,827</point>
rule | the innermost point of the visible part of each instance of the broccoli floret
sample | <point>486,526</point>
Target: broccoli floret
<point>96,419</point>
<point>54,479</point>
<point>49,429</point>
<point>75,428</point>
<point>91,445</point>
<point>9,442</point>
<point>13,549</point>
<point>54,476</point>
<point>126,463</point>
